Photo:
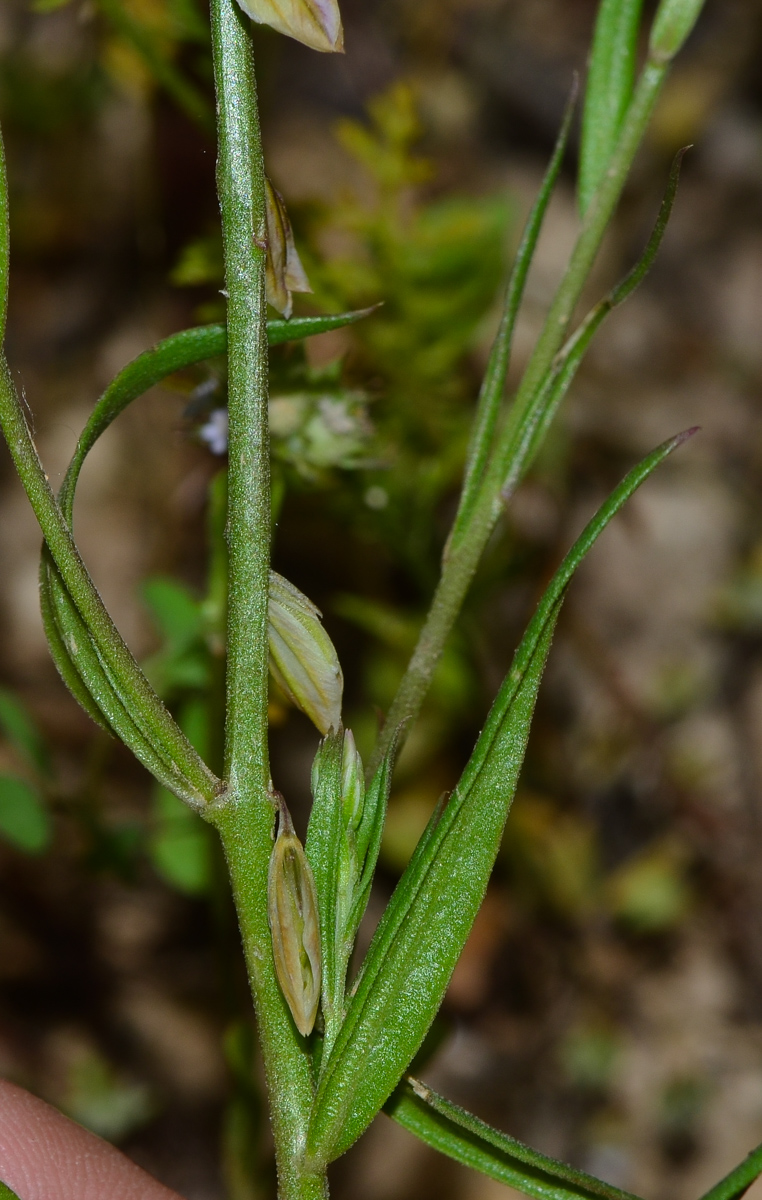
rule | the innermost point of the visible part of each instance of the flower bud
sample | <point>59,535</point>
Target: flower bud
<point>673,22</point>
<point>352,783</point>
<point>303,659</point>
<point>293,915</point>
<point>352,802</point>
<point>284,271</point>
<point>317,23</point>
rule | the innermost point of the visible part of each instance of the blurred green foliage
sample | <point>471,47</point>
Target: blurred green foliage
<point>556,861</point>
<point>25,819</point>
<point>96,1095</point>
<point>436,264</point>
<point>141,43</point>
<point>589,1053</point>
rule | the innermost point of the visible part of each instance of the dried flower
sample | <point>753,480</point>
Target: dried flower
<point>317,23</point>
<point>303,659</point>
<point>285,273</point>
<point>293,915</point>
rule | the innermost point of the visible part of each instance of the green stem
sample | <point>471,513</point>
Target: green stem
<point>245,816</point>
<point>468,541</point>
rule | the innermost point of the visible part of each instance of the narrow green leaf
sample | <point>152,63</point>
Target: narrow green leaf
<point>493,387</point>
<point>673,23</point>
<point>148,369</point>
<point>531,430</point>
<point>737,1183</point>
<point>322,847</point>
<point>414,953</point>
<point>298,328</point>
<point>6,1193</point>
<point>58,649</point>
<point>610,81</point>
<point>136,693</point>
<point>369,836</point>
<point>84,662</point>
<point>24,818</point>
<point>175,353</point>
<point>454,1132</point>
<point>343,843</point>
<point>21,731</point>
<point>425,926</point>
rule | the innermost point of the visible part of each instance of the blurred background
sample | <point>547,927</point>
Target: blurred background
<point>608,1006</point>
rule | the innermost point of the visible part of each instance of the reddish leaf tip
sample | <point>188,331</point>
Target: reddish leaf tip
<point>686,435</point>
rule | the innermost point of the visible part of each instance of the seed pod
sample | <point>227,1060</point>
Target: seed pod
<point>317,23</point>
<point>284,271</point>
<point>293,914</point>
<point>303,659</point>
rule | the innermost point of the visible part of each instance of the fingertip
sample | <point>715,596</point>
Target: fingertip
<point>45,1156</point>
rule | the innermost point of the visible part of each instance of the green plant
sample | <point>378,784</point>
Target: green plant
<point>299,908</point>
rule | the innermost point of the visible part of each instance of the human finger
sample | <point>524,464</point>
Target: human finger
<point>45,1156</point>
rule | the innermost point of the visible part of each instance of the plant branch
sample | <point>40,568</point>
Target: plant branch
<point>469,539</point>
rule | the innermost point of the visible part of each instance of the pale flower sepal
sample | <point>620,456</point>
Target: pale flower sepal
<point>303,659</point>
<point>293,915</point>
<point>317,23</point>
<point>284,271</point>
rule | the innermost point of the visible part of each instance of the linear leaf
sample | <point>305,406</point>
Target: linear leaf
<point>299,328</point>
<point>343,856</point>
<point>737,1183</point>
<point>531,429</point>
<point>454,1132</point>
<point>322,848</point>
<point>142,700</point>
<point>369,837</point>
<point>58,648</point>
<point>403,985</point>
<point>174,353</point>
<point>428,919</point>
<point>6,1193</point>
<point>493,387</point>
<point>610,81</point>
<point>84,662</point>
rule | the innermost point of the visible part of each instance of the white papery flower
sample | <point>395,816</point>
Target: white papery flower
<point>303,659</point>
<point>317,23</point>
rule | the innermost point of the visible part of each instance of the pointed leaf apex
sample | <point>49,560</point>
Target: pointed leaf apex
<point>680,438</point>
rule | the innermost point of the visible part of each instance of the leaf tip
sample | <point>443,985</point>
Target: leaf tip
<point>680,438</point>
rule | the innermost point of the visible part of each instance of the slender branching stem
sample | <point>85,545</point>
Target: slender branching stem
<point>465,548</point>
<point>245,816</point>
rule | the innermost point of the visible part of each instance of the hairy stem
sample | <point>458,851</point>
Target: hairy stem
<point>245,816</point>
<point>464,550</point>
